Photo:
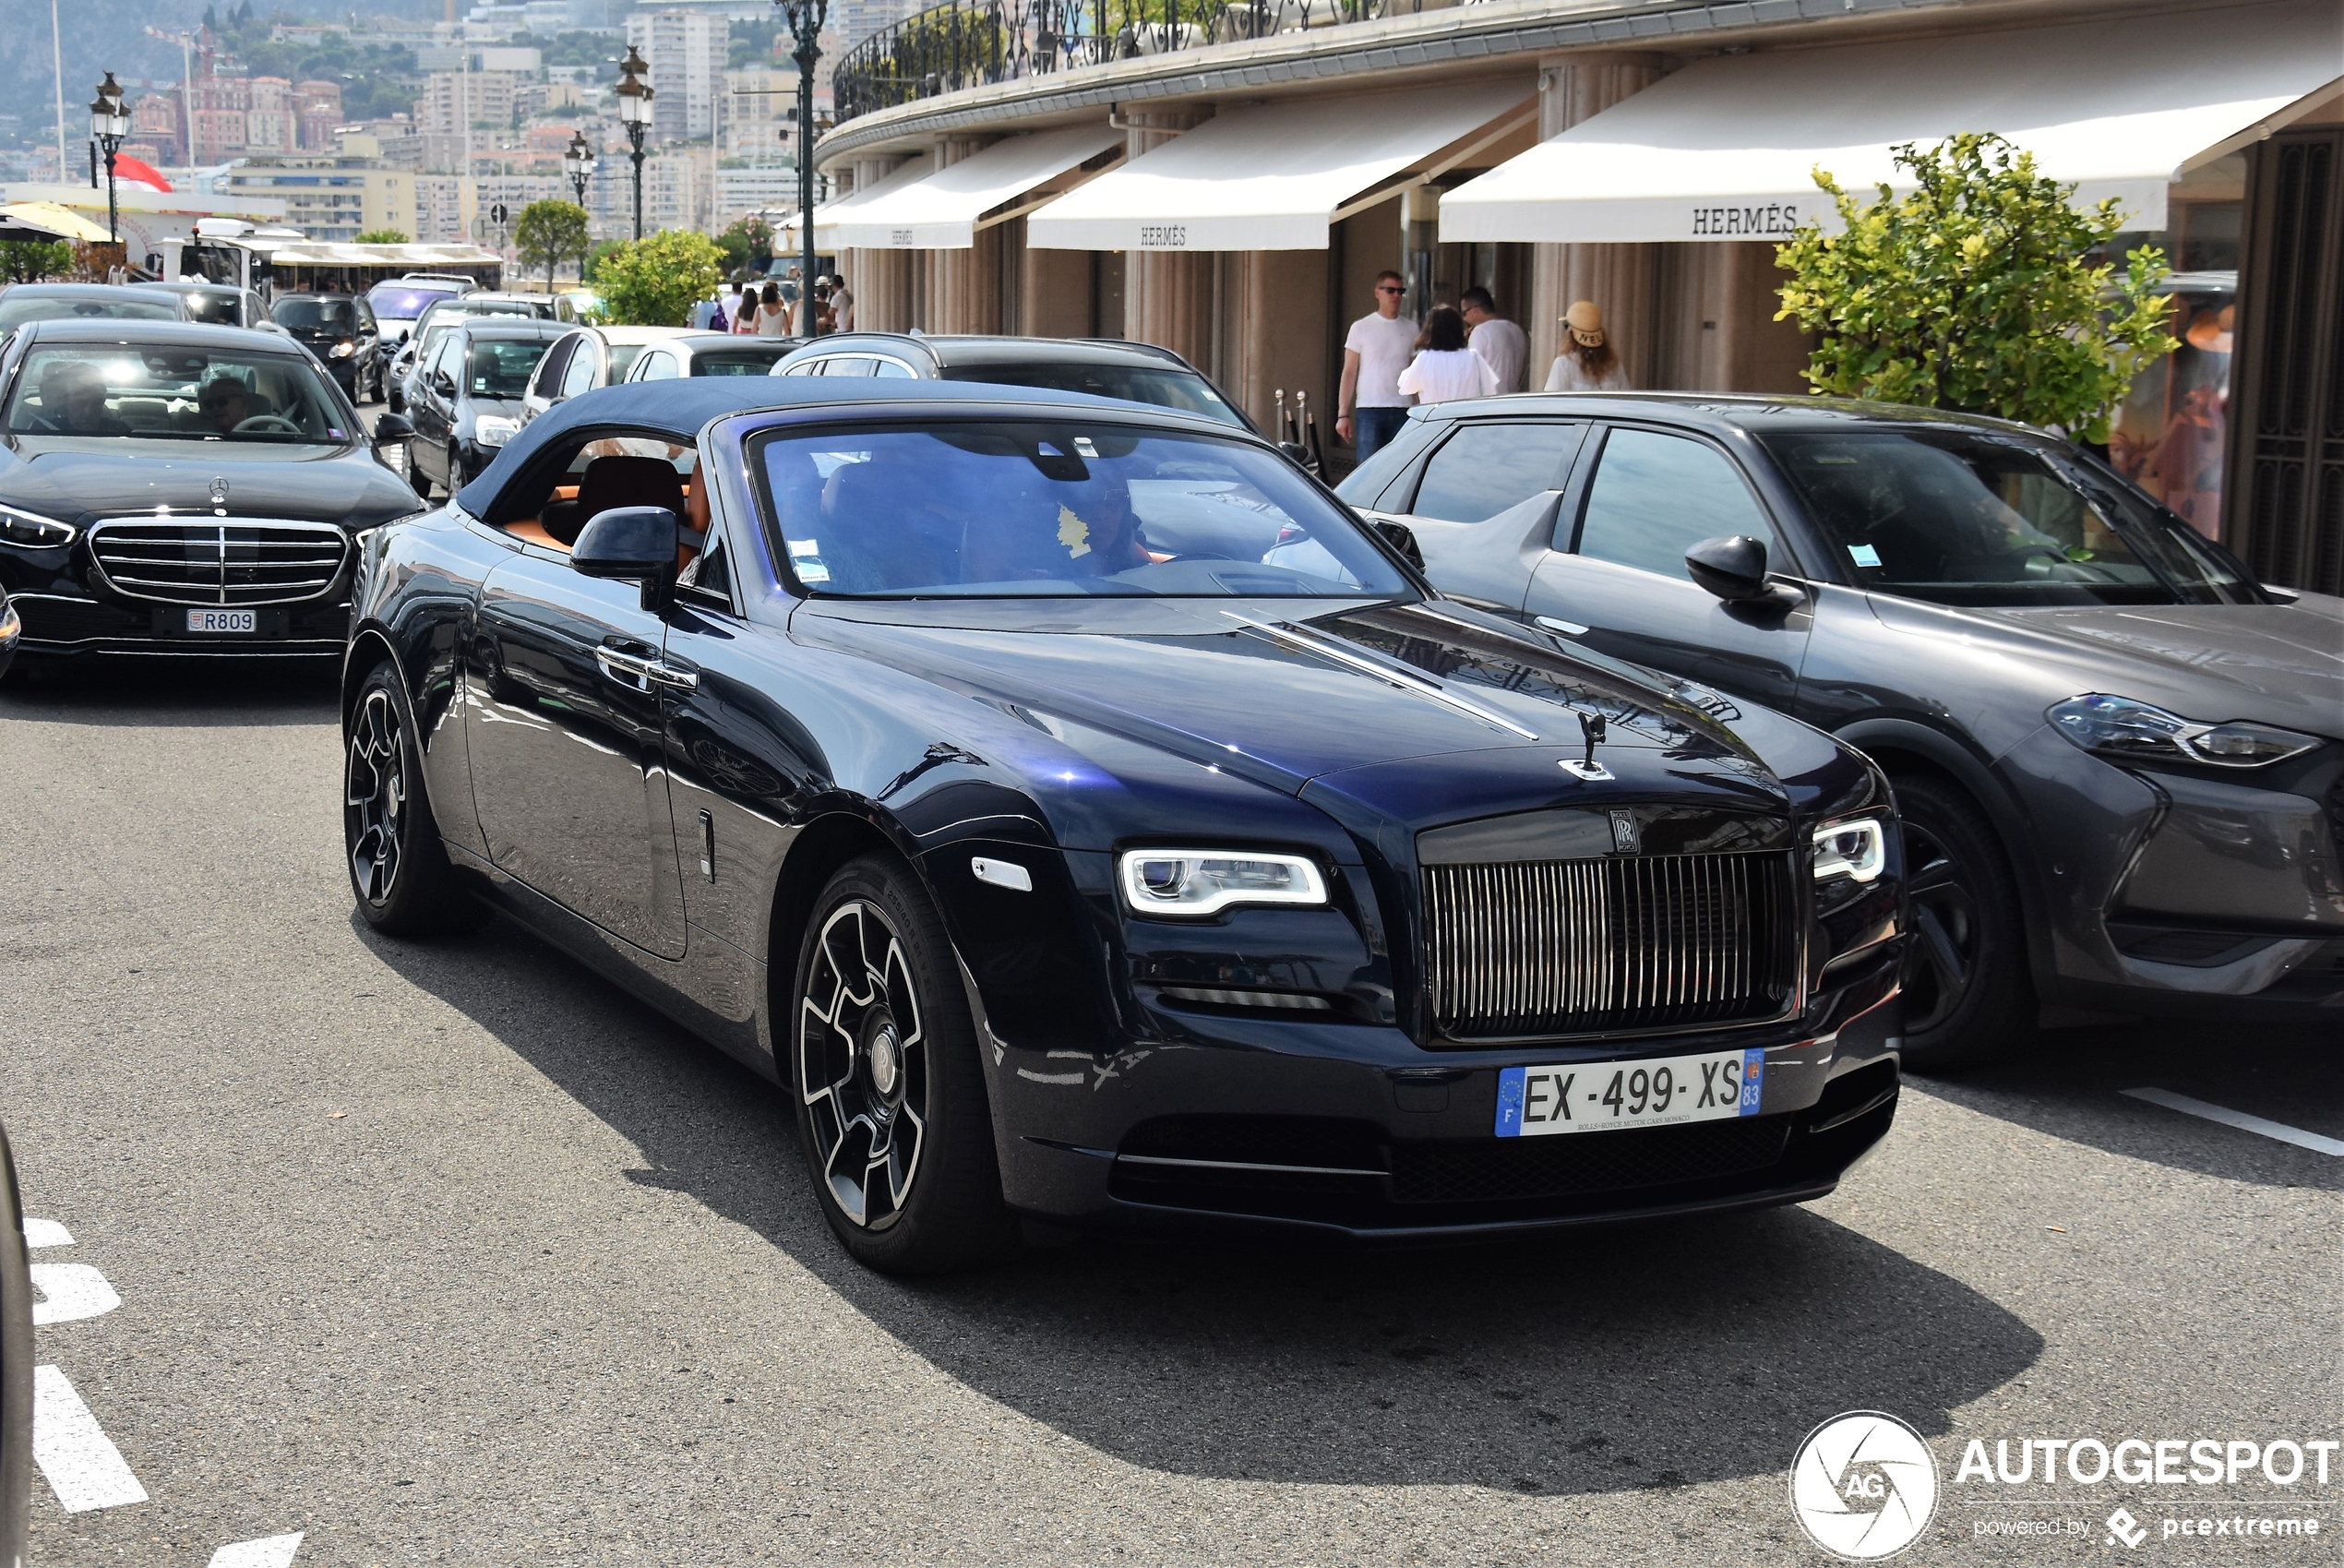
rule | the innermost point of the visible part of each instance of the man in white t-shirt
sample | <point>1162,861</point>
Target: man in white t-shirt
<point>841,303</point>
<point>1502,346</point>
<point>1372,407</point>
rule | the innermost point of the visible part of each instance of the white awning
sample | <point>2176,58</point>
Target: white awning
<point>941,212</point>
<point>1725,148</point>
<point>827,216</point>
<point>1277,176</point>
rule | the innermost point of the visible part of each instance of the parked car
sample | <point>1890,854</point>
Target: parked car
<point>400,302</point>
<point>1085,818</point>
<point>464,401</point>
<point>590,358</point>
<point>20,303</point>
<point>167,487</point>
<point>2120,760</point>
<point>445,313</point>
<point>341,330</point>
<point>709,354</point>
<point>1101,366</point>
<point>215,305</point>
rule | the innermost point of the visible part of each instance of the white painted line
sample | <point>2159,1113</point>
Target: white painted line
<point>73,1291</point>
<point>84,1467</point>
<point>2240,1120</point>
<point>274,1551</point>
<point>46,1233</point>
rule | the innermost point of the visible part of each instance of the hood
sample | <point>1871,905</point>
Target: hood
<point>2269,663</point>
<point>1406,715</point>
<point>507,408</point>
<point>80,481</point>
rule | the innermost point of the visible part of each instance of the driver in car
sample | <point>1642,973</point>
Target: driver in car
<point>73,401</point>
<point>224,404</point>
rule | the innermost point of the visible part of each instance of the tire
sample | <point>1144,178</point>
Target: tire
<point>884,1075</point>
<point>398,869</point>
<point>1969,998</point>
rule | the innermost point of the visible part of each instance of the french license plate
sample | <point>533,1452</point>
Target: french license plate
<point>223,621</point>
<point>1597,1096</point>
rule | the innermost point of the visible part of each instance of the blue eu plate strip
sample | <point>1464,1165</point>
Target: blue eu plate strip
<point>1510,1102</point>
<point>1753,1068</point>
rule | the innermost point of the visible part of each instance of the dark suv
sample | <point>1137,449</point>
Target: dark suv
<point>2120,760</point>
<point>342,332</point>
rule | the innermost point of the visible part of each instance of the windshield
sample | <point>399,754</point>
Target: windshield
<point>119,389</point>
<point>219,310</point>
<point>404,301</point>
<point>1966,517</point>
<point>1018,510</point>
<point>1168,388</point>
<point>735,361</point>
<point>16,307</point>
<point>500,367</point>
<point>315,314</point>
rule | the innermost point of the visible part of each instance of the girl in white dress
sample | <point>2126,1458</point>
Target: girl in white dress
<point>1444,368</point>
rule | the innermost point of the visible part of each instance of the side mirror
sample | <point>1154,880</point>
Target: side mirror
<point>1733,569</point>
<point>630,545</point>
<point>390,428</point>
<point>1401,537</point>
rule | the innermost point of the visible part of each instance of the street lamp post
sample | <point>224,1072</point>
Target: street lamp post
<point>804,19</point>
<point>109,125</point>
<point>579,159</point>
<point>635,114</point>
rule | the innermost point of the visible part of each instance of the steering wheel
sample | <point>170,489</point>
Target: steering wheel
<point>270,424</point>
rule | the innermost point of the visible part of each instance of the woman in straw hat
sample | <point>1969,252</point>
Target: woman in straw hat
<point>1586,362</point>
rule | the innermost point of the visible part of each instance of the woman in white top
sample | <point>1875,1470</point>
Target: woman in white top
<point>1586,362</point>
<point>773,316</point>
<point>1444,369</point>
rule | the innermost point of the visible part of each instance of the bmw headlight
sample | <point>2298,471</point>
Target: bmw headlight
<point>1856,849</point>
<point>32,531</point>
<point>1191,883</point>
<point>490,430</point>
<point>2126,731</point>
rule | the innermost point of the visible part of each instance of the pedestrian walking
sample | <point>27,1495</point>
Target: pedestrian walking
<point>1586,362</point>
<point>772,315</point>
<point>1444,369</point>
<point>841,303</point>
<point>1371,407</point>
<point>1503,347</point>
<point>745,310</point>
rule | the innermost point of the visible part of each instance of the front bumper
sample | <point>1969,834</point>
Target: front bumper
<point>1352,1133</point>
<point>61,626</point>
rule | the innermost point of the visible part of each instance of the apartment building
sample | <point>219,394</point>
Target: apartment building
<point>328,197</point>
<point>686,51</point>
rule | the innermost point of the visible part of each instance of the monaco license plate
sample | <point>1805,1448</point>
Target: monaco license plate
<point>223,621</point>
<point>1597,1096</point>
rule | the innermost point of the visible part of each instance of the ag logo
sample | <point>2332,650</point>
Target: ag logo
<point>1863,1486</point>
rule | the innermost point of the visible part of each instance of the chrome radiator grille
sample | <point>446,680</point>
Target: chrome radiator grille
<point>1558,946</point>
<point>219,561</point>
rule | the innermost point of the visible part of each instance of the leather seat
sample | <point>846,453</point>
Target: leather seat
<point>611,481</point>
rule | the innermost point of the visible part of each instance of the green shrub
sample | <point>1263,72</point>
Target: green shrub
<point>655,282</point>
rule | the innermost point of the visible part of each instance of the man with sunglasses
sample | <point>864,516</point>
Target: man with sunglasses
<point>1372,407</point>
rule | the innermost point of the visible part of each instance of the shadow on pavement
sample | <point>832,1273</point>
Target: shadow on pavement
<point>1656,1357</point>
<point>145,693</point>
<point>2069,1084</point>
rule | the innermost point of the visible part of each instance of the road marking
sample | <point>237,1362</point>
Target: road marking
<point>273,1551</point>
<point>85,1469</point>
<point>73,1291</point>
<point>46,1233</point>
<point>2240,1120</point>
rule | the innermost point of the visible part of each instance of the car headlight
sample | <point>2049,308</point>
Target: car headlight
<point>10,627</point>
<point>32,531</point>
<point>2124,730</point>
<point>342,351</point>
<point>1191,883</point>
<point>1857,849</point>
<point>491,431</point>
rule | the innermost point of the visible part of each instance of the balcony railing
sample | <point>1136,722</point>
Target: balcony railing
<point>971,42</point>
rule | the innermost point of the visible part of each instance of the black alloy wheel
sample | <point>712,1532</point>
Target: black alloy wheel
<point>890,1101</point>
<point>398,869</point>
<point>1969,997</point>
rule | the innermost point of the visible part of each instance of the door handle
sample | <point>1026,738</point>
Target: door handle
<point>674,677</point>
<point>1568,628</point>
<point>640,674</point>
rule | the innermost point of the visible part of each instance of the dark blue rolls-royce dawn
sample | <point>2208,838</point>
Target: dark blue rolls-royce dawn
<point>1090,823</point>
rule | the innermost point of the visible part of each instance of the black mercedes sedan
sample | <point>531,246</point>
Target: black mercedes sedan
<point>1085,819</point>
<point>2119,758</point>
<point>172,488</point>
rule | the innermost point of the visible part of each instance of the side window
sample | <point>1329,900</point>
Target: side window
<point>450,360</point>
<point>1487,467</point>
<point>848,365</point>
<point>1656,495</point>
<point>658,365</point>
<point>807,368</point>
<point>549,370</point>
<point>892,370</point>
<point>580,373</point>
<point>709,574</point>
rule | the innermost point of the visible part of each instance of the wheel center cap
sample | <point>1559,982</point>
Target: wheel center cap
<point>886,1061</point>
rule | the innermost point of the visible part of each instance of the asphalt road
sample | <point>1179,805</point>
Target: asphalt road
<point>453,1254</point>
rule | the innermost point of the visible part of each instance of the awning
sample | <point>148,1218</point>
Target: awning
<point>47,222</point>
<point>827,216</point>
<point>1724,150</point>
<point>942,212</point>
<point>1277,176</point>
<point>324,254</point>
